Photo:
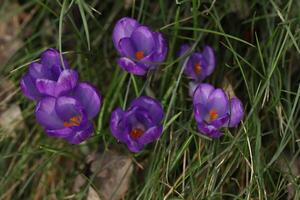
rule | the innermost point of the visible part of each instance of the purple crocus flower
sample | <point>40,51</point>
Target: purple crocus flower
<point>140,48</point>
<point>214,110</point>
<point>139,125</point>
<point>68,117</point>
<point>198,65</point>
<point>48,72</point>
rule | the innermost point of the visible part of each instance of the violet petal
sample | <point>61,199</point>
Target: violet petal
<point>209,130</point>
<point>143,39</point>
<point>131,67</point>
<point>123,28</point>
<point>28,88</point>
<point>117,125</point>
<point>209,55</point>
<point>81,135</point>
<point>202,93</point>
<point>89,98</point>
<point>237,112</point>
<point>150,135</point>
<point>218,101</point>
<point>46,115</point>
<point>66,82</point>
<point>59,133</point>
<point>151,105</point>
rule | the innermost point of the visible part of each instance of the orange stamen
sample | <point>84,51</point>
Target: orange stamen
<point>74,121</point>
<point>139,55</point>
<point>213,114</point>
<point>136,133</point>
<point>197,68</point>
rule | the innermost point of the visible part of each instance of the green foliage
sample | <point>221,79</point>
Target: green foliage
<point>257,48</point>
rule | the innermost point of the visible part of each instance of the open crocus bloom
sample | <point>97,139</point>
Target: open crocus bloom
<point>69,116</point>
<point>198,65</point>
<point>139,125</point>
<point>48,72</point>
<point>140,48</point>
<point>214,110</point>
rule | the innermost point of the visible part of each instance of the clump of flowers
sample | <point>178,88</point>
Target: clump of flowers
<point>213,109</point>
<point>65,106</point>
<point>140,48</point>
<point>139,125</point>
<point>198,65</point>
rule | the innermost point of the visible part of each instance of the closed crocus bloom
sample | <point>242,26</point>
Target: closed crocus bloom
<point>214,110</point>
<point>69,117</point>
<point>139,125</point>
<point>48,77</point>
<point>198,65</point>
<point>140,48</point>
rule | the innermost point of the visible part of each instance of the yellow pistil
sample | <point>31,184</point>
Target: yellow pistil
<point>197,68</point>
<point>213,114</point>
<point>136,133</point>
<point>139,55</point>
<point>74,121</point>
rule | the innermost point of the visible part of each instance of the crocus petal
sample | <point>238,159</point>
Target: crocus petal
<point>209,130</point>
<point>200,112</point>
<point>237,112</point>
<point>51,58</point>
<point>68,107</point>
<point>209,56</point>
<point>138,116</point>
<point>189,68</point>
<point>81,135</point>
<point>142,39</point>
<point>192,88</point>
<point>127,48</point>
<point>134,146</point>
<point>219,122</point>
<point>66,82</point>
<point>195,58</point>
<point>46,115</point>
<point>183,49</point>
<point>202,93</point>
<point>59,133</point>
<point>150,135</point>
<point>37,70</point>
<point>161,48</point>
<point>29,89</point>
<point>131,67</point>
<point>123,28</point>
<point>46,87</point>
<point>117,125</point>
<point>89,98</point>
<point>151,105</point>
<point>218,101</point>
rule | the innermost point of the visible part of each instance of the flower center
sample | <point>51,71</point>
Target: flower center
<point>136,133</point>
<point>197,68</point>
<point>139,55</point>
<point>73,121</point>
<point>213,114</point>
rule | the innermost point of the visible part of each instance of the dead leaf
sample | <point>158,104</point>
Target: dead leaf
<point>111,172</point>
<point>11,118</point>
<point>241,7</point>
<point>9,29</point>
<point>92,194</point>
<point>228,88</point>
<point>291,170</point>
